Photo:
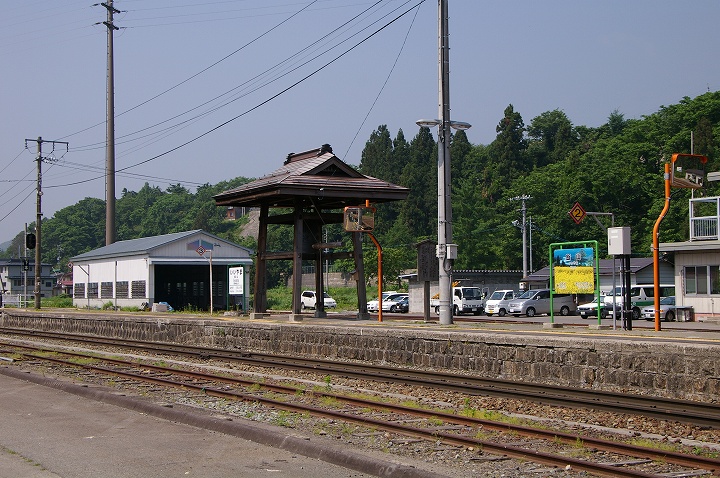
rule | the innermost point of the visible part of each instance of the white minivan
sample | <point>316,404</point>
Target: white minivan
<point>498,302</point>
<point>537,301</point>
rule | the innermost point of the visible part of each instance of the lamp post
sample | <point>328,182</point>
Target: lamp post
<point>211,277</point>
<point>446,251</point>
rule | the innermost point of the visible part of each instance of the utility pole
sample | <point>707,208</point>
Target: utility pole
<point>523,198</point>
<point>110,133</point>
<point>38,219</point>
<point>446,251</point>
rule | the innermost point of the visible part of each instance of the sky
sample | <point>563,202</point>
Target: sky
<point>209,90</point>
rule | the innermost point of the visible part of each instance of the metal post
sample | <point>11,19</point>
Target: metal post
<point>211,283</point>
<point>38,224</point>
<point>110,131</point>
<point>25,258</point>
<point>523,209</point>
<point>444,243</point>
<point>444,206</point>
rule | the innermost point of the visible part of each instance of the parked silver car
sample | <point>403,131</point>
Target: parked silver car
<point>667,309</point>
<point>537,301</point>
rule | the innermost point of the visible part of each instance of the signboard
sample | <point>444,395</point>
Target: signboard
<point>577,213</point>
<point>236,280</point>
<point>428,266</point>
<point>574,271</point>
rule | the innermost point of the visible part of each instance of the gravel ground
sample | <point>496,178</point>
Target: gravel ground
<point>452,461</point>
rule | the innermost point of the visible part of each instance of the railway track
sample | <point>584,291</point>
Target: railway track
<point>685,411</point>
<point>394,419</point>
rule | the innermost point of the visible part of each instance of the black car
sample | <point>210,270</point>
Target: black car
<point>402,305</point>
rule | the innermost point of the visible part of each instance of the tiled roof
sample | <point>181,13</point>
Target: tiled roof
<point>317,175</point>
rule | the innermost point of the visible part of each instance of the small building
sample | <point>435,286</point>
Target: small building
<point>697,261</point>
<point>311,190</point>
<point>188,270</point>
<point>17,278</point>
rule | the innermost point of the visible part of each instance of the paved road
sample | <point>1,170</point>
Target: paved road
<point>49,433</point>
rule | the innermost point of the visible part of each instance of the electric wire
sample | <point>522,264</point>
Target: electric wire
<point>201,71</point>
<point>245,112</point>
<point>382,88</point>
<point>283,91</point>
<point>246,83</point>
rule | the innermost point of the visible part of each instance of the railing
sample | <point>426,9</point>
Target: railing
<point>17,300</point>
<point>705,227</point>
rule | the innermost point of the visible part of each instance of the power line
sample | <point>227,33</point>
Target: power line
<point>201,71</point>
<point>285,90</point>
<point>382,88</point>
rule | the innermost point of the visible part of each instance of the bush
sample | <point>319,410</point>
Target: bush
<point>280,298</point>
<point>60,301</point>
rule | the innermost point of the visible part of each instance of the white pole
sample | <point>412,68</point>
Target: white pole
<point>444,205</point>
<point>211,283</point>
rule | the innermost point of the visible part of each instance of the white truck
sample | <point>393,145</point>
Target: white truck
<point>466,300</point>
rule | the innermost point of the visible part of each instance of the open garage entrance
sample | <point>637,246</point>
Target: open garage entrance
<point>187,287</point>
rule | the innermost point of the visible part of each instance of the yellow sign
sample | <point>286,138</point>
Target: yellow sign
<point>574,280</point>
<point>577,213</point>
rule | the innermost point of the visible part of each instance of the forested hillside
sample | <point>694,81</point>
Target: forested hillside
<point>615,168</point>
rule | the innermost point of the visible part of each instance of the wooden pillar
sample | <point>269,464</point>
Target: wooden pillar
<point>297,261</point>
<point>319,282</point>
<point>260,302</point>
<point>360,275</point>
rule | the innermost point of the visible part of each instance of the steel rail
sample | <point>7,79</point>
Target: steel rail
<point>598,469</point>
<point>686,411</point>
<point>693,461</point>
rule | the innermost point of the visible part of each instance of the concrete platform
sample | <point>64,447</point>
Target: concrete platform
<point>53,429</point>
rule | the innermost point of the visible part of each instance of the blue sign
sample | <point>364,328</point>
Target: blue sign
<point>577,257</point>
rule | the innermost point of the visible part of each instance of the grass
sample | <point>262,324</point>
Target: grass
<point>62,301</point>
<point>284,419</point>
<point>280,298</point>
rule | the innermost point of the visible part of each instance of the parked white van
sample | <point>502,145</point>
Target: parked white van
<point>641,296</point>
<point>498,302</point>
<point>537,301</point>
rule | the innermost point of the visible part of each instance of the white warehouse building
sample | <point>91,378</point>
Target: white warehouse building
<point>188,270</point>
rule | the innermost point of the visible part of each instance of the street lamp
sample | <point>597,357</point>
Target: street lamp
<point>446,252</point>
<point>211,277</point>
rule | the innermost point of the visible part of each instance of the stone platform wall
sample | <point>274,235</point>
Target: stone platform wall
<point>672,369</point>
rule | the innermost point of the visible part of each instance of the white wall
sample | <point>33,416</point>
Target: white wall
<point>703,304</point>
<point>126,269</point>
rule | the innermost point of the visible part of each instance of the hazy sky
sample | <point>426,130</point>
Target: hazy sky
<point>207,90</point>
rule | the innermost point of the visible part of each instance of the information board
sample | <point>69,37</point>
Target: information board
<point>236,280</point>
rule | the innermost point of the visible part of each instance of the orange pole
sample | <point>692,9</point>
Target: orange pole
<point>380,275</point>
<point>656,246</point>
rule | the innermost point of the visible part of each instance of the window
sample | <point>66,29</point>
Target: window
<point>92,290</point>
<point>106,290</point>
<point>138,289</point>
<point>121,289</point>
<point>79,290</point>
<point>702,279</point>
